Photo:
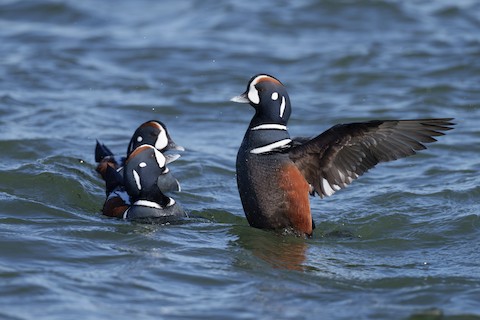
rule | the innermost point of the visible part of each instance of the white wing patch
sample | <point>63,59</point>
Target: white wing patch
<point>326,187</point>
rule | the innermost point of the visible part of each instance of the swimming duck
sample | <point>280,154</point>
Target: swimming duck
<point>276,173</point>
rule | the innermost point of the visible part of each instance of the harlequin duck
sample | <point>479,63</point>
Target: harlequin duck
<point>138,194</point>
<point>104,159</point>
<point>152,133</point>
<point>118,200</point>
<point>276,173</point>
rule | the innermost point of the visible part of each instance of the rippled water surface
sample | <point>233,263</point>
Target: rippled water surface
<point>402,242</point>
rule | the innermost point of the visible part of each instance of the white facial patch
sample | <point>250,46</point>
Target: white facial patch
<point>142,164</point>
<point>162,140</point>
<point>137,179</point>
<point>253,95</point>
<point>282,107</point>
<point>139,139</point>
<point>274,96</point>
<point>160,158</point>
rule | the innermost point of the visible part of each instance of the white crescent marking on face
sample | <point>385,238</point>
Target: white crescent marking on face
<point>282,107</point>
<point>137,180</point>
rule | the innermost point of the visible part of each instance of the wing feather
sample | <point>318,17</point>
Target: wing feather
<point>335,158</point>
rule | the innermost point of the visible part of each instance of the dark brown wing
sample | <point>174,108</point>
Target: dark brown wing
<point>332,160</point>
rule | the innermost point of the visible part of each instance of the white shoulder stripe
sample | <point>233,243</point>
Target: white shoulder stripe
<point>146,203</point>
<point>151,204</point>
<point>271,146</point>
<point>268,126</point>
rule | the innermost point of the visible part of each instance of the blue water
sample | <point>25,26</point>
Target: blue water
<point>402,242</point>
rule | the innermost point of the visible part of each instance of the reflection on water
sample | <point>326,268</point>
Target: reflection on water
<point>280,251</point>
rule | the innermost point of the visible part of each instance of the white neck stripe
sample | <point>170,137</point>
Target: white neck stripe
<point>268,126</point>
<point>271,146</point>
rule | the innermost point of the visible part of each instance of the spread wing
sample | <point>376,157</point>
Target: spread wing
<point>335,158</point>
